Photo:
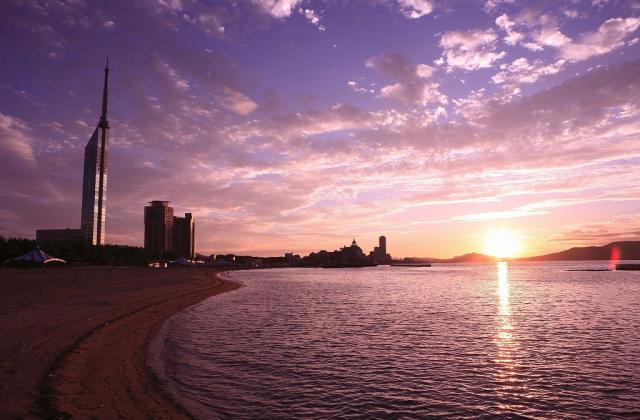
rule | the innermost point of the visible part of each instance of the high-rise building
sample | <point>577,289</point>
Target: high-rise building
<point>158,228</point>
<point>184,236</point>
<point>94,182</point>
<point>379,254</point>
<point>382,245</point>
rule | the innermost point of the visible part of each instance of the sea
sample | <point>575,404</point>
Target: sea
<point>519,340</point>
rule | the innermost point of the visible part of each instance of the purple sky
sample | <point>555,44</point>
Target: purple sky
<point>295,125</point>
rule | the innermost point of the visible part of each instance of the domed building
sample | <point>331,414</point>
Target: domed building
<point>347,256</point>
<point>351,256</point>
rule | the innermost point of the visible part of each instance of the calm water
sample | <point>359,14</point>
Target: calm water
<point>452,340</point>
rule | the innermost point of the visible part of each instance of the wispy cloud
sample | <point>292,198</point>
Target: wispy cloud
<point>470,50</point>
<point>15,140</point>
<point>414,82</point>
<point>237,101</point>
<point>415,9</point>
<point>609,36</point>
<point>278,8</point>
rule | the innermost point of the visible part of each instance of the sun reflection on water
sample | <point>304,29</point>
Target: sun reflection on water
<point>505,339</point>
<point>504,310</point>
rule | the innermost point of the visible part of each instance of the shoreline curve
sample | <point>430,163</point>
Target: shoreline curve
<point>105,373</point>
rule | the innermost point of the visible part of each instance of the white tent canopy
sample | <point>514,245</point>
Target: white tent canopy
<point>37,256</point>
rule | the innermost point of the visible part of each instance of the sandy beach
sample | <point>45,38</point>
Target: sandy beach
<point>74,340</point>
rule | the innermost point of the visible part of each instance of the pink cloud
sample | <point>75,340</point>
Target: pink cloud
<point>470,50</point>
<point>608,37</point>
<point>414,84</point>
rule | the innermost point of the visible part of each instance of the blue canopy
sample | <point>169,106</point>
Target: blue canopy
<point>38,256</point>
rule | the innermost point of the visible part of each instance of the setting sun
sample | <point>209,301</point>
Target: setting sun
<point>502,244</point>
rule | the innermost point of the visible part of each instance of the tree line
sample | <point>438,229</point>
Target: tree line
<point>76,253</point>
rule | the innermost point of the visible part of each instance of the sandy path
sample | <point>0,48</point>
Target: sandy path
<point>58,355</point>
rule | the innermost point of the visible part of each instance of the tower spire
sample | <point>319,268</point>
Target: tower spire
<point>105,94</point>
<point>94,179</point>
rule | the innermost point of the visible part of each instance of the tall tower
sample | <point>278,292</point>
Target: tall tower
<point>94,181</point>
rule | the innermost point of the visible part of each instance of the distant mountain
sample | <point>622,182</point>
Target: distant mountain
<point>471,257</point>
<point>627,250</point>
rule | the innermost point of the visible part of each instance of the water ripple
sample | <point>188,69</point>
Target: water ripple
<point>469,341</point>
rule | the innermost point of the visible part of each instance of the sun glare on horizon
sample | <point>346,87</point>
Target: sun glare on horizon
<point>502,244</point>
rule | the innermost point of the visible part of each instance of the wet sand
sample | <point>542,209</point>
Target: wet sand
<point>74,340</point>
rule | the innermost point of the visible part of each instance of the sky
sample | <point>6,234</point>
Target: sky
<point>297,125</point>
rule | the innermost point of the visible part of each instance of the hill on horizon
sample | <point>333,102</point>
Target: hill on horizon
<point>470,257</point>
<point>627,250</point>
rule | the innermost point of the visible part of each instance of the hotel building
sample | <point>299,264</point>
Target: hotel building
<point>158,228</point>
<point>165,233</point>
<point>184,235</point>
